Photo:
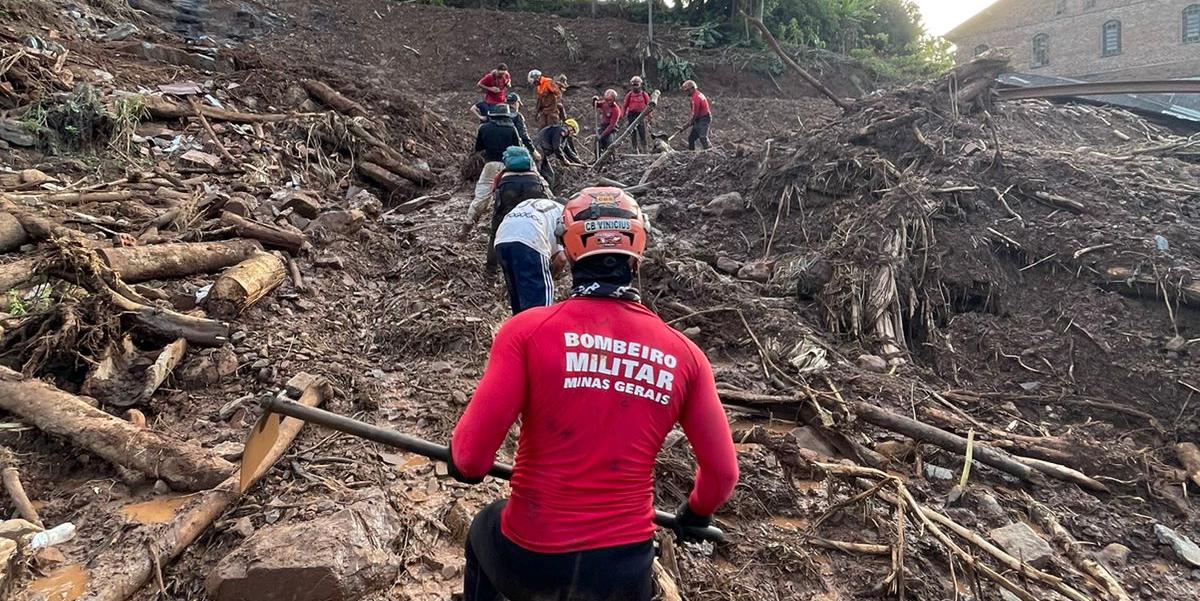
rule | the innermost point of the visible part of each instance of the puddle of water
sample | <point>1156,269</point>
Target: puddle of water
<point>64,584</point>
<point>155,511</point>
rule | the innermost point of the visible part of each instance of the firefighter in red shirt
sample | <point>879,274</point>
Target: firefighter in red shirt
<point>598,381</point>
<point>609,117</point>
<point>636,102</point>
<point>701,116</point>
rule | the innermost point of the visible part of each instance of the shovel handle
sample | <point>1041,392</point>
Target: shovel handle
<point>281,405</point>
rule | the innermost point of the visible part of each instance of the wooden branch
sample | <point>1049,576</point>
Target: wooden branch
<point>127,568</point>
<point>847,547</point>
<point>171,324</point>
<point>161,108</point>
<point>182,464</point>
<point>397,188</point>
<point>198,109</point>
<point>77,197</point>
<point>166,361</point>
<point>667,589</point>
<point>392,162</point>
<point>16,492</point>
<point>168,261</point>
<point>272,236</point>
<point>1075,552</point>
<point>332,98</point>
<point>244,284</point>
<point>791,63</point>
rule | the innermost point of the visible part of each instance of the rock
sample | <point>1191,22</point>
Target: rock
<point>1184,548</point>
<point>895,450</point>
<point>336,223</point>
<point>341,557</point>
<point>14,132</point>
<point>15,529</point>
<point>873,363</point>
<point>812,279</point>
<point>237,336</point>
<point>304,204</point>
<point>1020,541</point>
<point>366,202</point>
<point>198,158</point>
<point>730,202</point>
<point>329,261</point>
<point>1176,344</point>
<point>177,56</point>
<point>49,556</point>
<point>120,32</point>
<point>229,450</point>
<point>1114,555</point>
<point>937,472</point>
<point>989,506</point>
<point>692,332</point>
<point>758,271</point>
<point>458,520</point>
<point>243,526</point>
<point>727,265</point>
<point>807,437</point>
<point>210,369</point>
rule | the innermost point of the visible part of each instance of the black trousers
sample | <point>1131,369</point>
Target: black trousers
<point>699,133</point>
<point>546,169</point>
<point>639,133</point>
<point>498,568</point>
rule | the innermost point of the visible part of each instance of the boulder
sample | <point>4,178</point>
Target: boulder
<point>341,557</point>
<point>15,529</point>
<point>336,223</point>
<point>812,278</point>
<point>210,367</point>
<point>1114,555</point>
<point>303,203</point>
<point>1184,548</point>
<point>1020,541</point>
<point>727,265</point>
<point>368,203</point>
<point>807,437</point>
<point>873,363</point>
<point>758,271</point>
<point>728,203</point>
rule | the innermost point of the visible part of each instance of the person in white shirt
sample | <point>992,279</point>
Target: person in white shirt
<point>529,252</point>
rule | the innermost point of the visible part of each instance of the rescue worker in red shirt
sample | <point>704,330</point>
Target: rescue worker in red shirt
<point>636,102</point>
<point>609,117</point>
<point>494,85</point>
<point>598,381</point>
<point>701,116</point>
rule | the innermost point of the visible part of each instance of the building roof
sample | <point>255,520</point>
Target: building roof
<point>980,19</point>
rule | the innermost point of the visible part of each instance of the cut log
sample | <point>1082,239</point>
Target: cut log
<point>16,273</point>
<point>167,261</point>
<point>182,464</point>
<point>332,98</point>
<point>172,324</point>
<point>12,235</point>
<point>245,284</point>
<point>1126,280</point>
<point>1189,456</point>
<point>135,567</point>
<point>157,373</point>
<point>951,442</point>
<point>161,108</point>
<point>397,188</point>
<point>272,236</point>
<point>16,492</point>
<point>391,162</point>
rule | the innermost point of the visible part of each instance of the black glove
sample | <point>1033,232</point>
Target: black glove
<point>453,470</point>
<point>687,523</point>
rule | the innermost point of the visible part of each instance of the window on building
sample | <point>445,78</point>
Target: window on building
<point>1060,7</point>
<point>1110,39</point>
<point>1041,51</point>
<point>980,49</point>
<point>1191,23</point>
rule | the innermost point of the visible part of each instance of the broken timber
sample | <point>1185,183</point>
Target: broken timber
<point>272,236</point>
<point>244,284</point>
<point>167,261</point>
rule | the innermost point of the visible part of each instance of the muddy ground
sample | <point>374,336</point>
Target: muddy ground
<point>992,269</point>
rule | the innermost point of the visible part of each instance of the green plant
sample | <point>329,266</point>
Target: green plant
<point>16,307</point>
<point>128,112</point>
<point>34,119</point>
<point>706,35</point>
<point>673,71</point>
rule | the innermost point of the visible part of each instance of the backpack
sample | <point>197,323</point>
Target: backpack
<point>517,159</point>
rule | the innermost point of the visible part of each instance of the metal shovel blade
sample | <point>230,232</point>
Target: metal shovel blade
<point>262,438</point>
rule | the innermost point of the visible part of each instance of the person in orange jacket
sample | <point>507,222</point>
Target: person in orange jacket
<point>549,108</point>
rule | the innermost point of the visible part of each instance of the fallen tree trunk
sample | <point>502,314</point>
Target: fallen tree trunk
<point>244,284</point>
<point>77,197</point>
<point>1126,280</point>
<point>794,66</point>
<point>182,464</point>
<point>167,261</point>
<point>936,436</point>
<point>332,98</point>
<point>172,325</point>
<point>272,236</point>
<point>398,188</point>
<point>136,562</point>
<point>161,108</point>
<point>12,235</point>
<point>420,177</point>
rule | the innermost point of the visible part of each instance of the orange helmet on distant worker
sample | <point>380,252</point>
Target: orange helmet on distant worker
<point>603,220</point>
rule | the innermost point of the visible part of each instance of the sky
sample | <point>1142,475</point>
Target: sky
<point>942,15</point>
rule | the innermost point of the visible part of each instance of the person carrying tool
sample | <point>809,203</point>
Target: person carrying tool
<point>701,116</point>
<point>598,381</point>
<point>494,85</point>
<point>635,103</point>
<point>529,252</point>
<point>492,139</point>
<point>516,183</point>
<point>555,141</point>
<point>608,117</point>
<point>549,107</point>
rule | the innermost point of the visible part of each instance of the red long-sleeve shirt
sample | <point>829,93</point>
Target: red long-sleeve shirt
<point>636,101</point>
<point>610,117</point>
<point>700,106</point>
<point>598,384</point>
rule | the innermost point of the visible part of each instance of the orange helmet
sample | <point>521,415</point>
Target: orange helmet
<point>603,220</point>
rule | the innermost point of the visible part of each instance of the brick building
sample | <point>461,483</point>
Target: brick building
<point>1089,39</point>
